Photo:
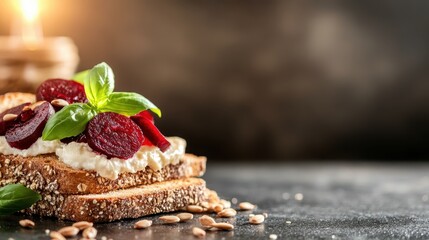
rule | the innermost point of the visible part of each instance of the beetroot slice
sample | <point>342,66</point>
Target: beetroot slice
<point>24,134</point>
<point>152,133</point>
<point>114,135</point>
<point>6,125</point>
<point>68,90</point>
<point>144,114</point>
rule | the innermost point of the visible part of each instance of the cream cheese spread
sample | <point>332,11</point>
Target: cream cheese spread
<point>81,156</point>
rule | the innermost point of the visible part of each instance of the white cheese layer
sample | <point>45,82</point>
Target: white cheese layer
<point>81,156</point>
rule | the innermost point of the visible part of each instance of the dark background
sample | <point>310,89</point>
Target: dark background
<point>265,79</point>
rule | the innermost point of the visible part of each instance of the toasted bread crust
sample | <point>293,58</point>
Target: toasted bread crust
<point>128,203</point>
<point>45,173</point>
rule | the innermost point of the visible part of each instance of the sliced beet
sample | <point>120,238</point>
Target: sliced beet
<point>114,135</point>
<point>68,90</point>
<point>151,132</point>
<point>144,114</point>
<point>4,125</point>
<point>24,134</point>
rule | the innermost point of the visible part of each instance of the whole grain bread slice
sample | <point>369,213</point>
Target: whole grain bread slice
<point>133,202</point>
<point>45,173</point>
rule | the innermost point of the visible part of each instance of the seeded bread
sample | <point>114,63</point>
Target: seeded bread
<point>13,99</point>
<point>45,173</point>
<point>127,203</point>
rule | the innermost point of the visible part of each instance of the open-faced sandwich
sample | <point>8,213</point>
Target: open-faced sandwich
<point>94,154</point>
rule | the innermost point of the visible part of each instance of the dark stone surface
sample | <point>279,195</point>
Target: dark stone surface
<point>340,201</point>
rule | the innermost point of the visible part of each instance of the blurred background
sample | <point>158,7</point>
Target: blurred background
<point>285,80</point>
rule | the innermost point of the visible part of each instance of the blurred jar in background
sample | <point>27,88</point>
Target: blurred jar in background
<point>23,69</point>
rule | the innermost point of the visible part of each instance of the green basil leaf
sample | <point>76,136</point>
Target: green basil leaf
<point>80,76</point>
<point>15,197</point>
<point>128,103</point>
<point>68,122</point>
<point>99,84</point>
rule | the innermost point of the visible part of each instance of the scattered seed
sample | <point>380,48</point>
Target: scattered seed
<point>288,222</point>
<point>56,236</point>
<point>245,206</point>
<point>26,223</point>
<point>9,117</point>
<point>227,213</point>
<point>257,219</point>
<point>47,231</point>
<point>194,209</point>
<point>198,232</point>
<point>223,226</point>
<point>26,108</point>
<point>204,204</point>
<point>69,231</point>
<point>206,220</point>
<point>143,224</point>
<point>90,232</point>
<point>234,200</point>
<point>251,215</point>
<point>169,219</point>
<point>36,104</point>
<point>185,216</point>
<point>265,214</point>
<point>225,203</point>
<point>217,207</point>
<point>273,236</point>
<point>83,225</point>
<point>59,103</point>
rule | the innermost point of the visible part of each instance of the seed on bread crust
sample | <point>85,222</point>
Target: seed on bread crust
<point>257,219</point>
<point>245,206</point>
<point>170,219</point>
<point>143,224</point>
<point>194,209</point>
<point>227,213</point>
<point>26,223</point>
<point>223,226</point>
<point>83,225</point>
<point>185,216</point>
<point>90,233</point>
<point>206,221</point>
<point>198,232</point>
<point>56,236</point>
<point>69,231</point>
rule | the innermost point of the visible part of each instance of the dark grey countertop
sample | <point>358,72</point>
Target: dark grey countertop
<point>339,201</point>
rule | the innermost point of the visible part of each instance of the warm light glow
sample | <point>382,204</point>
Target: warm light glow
<point>30,10</point>
<point>28,26</point>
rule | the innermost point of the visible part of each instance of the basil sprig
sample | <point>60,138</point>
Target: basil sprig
<point>98,84</point>
<point>15,197</point>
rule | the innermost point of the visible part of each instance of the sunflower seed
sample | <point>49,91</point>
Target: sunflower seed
<point>59,103</point>
<point>26,223</point>
<point>185,216</point>
<point>223,226</point>
<point>245,206</point>
<point>198,232</point>
<point>143,224</point>
<point>56,236</point>
<point>194,209</point>
<point>257,219</point>
<point>69,231</point>
<point>227,213</point>
<point>9,117</point>
<point>169,219</point>
<point>90,232</point>
<point>206,220</point>
<point>83,225</point>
